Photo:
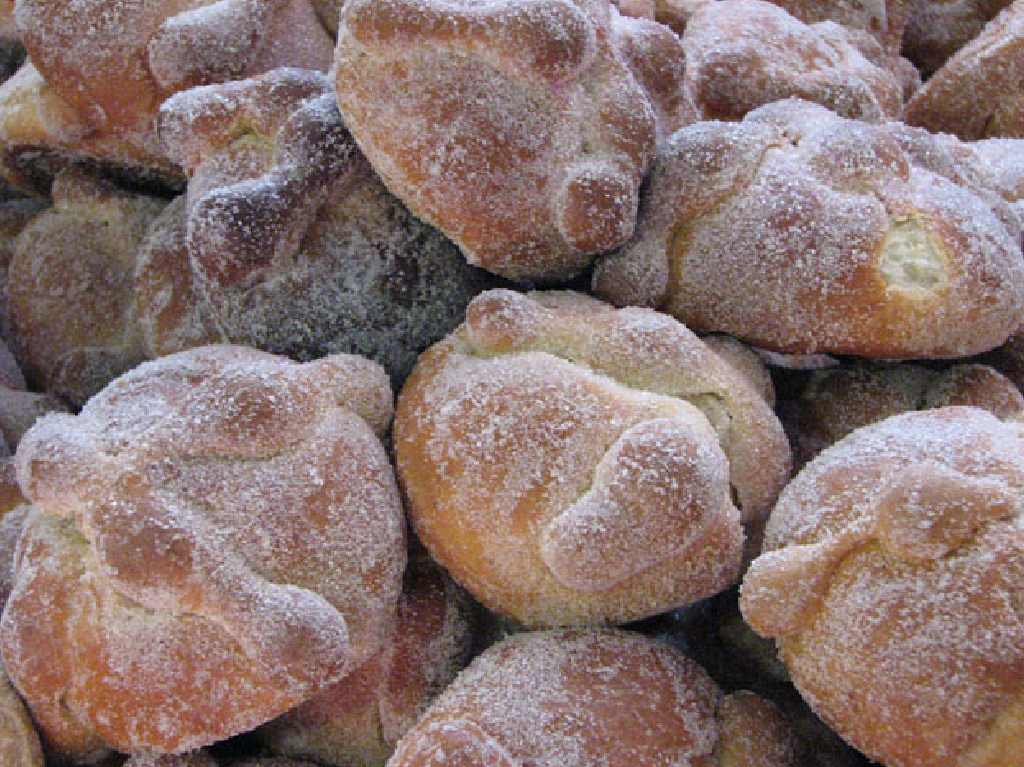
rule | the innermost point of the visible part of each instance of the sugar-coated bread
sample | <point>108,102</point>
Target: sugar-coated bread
<point>744,361</point>
<point>884,19</point>
<point>803,232</point>
<point>978,93</point>
<point>1005,158</point>
<point>70,286</point>
<point>937,29</point>
<point>742,54</point>
<point>584,698</point>
<point>892,583</point>
<point>520,128</point>
<point>287,241</point>
<point>571,463</point>
<point>204,759</point>
<point>358,721</point>
<point>837,401</point>
<point>114,62</point>
<point>19,743</point>
<point>218,538</point>
<point>41,134</point>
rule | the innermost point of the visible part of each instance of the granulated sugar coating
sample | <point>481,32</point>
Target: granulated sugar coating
<point>977,93</point>
<point>569,463</point>
<point>742,54</point>
<point>892,581</point>
<point>520,129</point>
<point>288,242</point>
<point>219,537</point>
<point>590,699</point>
<point>802,232</point>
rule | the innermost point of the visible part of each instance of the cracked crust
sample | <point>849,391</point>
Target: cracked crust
<point>891,581</point>
<point>879,241</point>
<point>621,439</point>
<point>520,128</point>
<point>199,564</point>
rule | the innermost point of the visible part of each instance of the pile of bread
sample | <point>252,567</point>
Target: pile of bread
<point>512,383</point>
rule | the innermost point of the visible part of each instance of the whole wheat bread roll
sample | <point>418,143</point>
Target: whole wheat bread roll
<point>288,242</point>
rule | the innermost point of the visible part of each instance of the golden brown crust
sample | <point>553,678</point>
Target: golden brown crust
<point>578,698</point>
<point>742,54</point>
<point>358,721</point>
<point>41,134</point>
<point>220,538</point>
<point>836,402</point>
<point>115,63</point>
<point>977,93</point>
<point>287,241</point>
<point>70,286</point>
<point>576,523</point>
<point>880,241</point>
<point>520,128</point>
<point>891,580</point>
<point>937,29</point>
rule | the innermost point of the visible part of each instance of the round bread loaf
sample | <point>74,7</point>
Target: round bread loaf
<point>978,93</point>
<point>570,463</point>
<point>219,537</point>
<point>800,231</point>
<point>742,54</point>
<point>583,698</point>
<point>287,241</point>
<point>520,128</point>
<point>892,582</point>
<point>937,29</point>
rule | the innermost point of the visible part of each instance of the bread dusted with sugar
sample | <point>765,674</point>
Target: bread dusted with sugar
<point>203,759</point>
<point>744,361</point>
<point>836,402</point>
<point>41,134</point>
<point>569,463</point>
<point>70,286</point>
<point>878,240</point>
<point>977,94</point>
<point>1005,158</point>
<point>288,242</point>
<point>520,128</point>
<point>358,721</point>
<point>742,54</point>
<point>883,19</point>
<point>891,582</point>
<point>19,743</point>
<point>579,698</point>
<point>100,69</point>
<point>219,538</point>
<point>937,29</point>
<point>115,62</point>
